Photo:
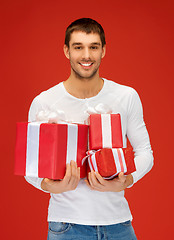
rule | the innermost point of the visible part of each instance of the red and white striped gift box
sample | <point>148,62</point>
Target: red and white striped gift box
<point>105,131</point>
<point>43,150</point>
<point>110,162</point>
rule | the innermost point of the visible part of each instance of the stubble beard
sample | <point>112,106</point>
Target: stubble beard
<point>80,76</point>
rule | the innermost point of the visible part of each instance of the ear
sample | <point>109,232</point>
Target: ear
<point>103,51</point>
<point>66,51</point>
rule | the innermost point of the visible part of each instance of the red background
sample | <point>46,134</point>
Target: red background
<point>140,53</point>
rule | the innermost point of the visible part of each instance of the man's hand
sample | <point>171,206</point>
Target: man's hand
<point>68,183</point>
<point>97,182</point>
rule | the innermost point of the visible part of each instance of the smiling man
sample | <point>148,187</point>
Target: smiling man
<point>95,208</point>
<point>85,51</point>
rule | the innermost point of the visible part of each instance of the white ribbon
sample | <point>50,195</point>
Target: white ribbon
<point>32,153</point>
<point>106,131</point>
<point>98,109</point>
<point>117,162</point>
<point>51,116</point>
<point>72,143</point>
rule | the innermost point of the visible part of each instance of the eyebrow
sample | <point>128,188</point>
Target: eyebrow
<point>79,43</point>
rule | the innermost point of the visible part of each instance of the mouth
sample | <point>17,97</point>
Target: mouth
<point>86,65</point>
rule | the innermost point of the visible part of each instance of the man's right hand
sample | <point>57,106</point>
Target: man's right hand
<point>68,183</point>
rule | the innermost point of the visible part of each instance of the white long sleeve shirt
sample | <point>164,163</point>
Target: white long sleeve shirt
<point>82,205</point>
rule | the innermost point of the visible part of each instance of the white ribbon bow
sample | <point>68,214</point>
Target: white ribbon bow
<point>49,116</point>
<point>98,109</point>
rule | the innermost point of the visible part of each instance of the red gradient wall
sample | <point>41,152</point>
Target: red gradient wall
<point>140,52</point>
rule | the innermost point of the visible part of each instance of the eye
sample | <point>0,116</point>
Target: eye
<point>94,47</point>
<point>78,48</point>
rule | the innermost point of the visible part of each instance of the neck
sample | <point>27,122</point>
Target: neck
<point>83,88</point>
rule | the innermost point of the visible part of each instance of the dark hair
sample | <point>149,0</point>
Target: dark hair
<point>86,25</point>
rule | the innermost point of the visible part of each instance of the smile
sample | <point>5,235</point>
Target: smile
<point>86,65</point>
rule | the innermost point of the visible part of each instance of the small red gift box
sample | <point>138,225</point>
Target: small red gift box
<point>105,131</point>
<point>110,162</point>
<point>43,150</point>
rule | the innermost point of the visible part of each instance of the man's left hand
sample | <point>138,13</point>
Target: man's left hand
<point>97,182</point>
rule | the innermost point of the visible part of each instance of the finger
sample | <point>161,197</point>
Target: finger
<point>121,177</point>
<point>74,175</point>
<point>93,186</point>
<point>78,172</point>
<point>90,181</point>
<point>48,180</point>
<point>67,176</point>
<point>73,167</point>
<point>87,183</point>
<point>73,171</point>
<point>93,181</point>
<point>100,178</point>
<point>77,178</point>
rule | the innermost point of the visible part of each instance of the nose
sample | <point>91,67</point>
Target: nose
<point>86,53</point>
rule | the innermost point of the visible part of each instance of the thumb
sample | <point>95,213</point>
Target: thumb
<point>47,180</point>
<point>122,177</point>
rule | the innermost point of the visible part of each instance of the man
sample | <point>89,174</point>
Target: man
<point>93,208</point>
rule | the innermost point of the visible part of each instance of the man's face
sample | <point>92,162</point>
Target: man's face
<point>85,53</point>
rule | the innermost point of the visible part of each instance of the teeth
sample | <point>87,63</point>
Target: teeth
<point>86,64</point>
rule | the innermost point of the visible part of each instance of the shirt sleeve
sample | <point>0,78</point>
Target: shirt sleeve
<point>34,109</point>
<point>139,138</point>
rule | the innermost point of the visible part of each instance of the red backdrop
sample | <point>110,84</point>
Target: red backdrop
<point>140,52</point>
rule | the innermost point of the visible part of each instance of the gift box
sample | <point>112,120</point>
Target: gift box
<point>110,162</point>
<point>43,149</point>
<point>105,131</point>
